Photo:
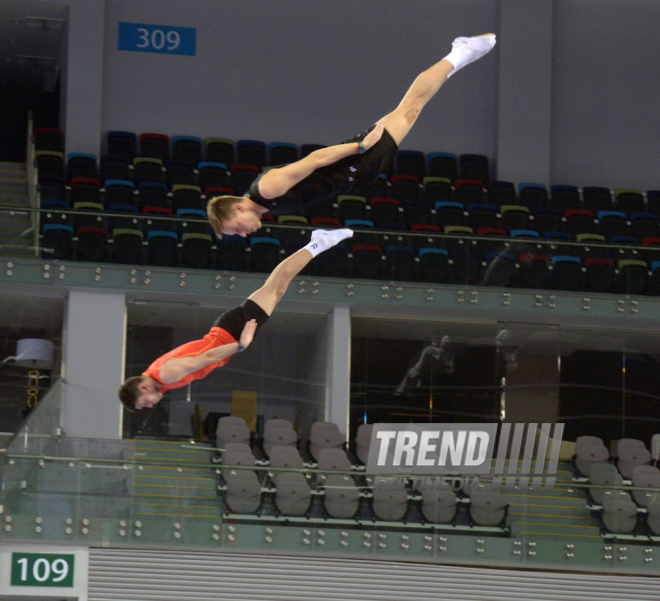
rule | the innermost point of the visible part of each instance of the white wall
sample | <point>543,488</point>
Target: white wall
<point>300,70</point>
<point>606,91</point>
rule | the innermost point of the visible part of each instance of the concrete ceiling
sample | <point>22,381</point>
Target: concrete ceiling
<point>31,38</point>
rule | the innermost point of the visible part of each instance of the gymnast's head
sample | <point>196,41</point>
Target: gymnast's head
<point>139,392</point>
<point>231,215</point>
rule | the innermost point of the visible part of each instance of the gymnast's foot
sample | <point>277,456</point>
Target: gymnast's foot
<point>467,50</point>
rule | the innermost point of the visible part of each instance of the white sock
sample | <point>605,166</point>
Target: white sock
<point>467,50</point>
<point>325,239</point>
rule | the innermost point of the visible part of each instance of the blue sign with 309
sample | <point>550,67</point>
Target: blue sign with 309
<point>138,37</point>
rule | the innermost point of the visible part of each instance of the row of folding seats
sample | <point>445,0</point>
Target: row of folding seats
<point>247,485</point>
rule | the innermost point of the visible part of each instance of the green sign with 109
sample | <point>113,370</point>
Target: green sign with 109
<point>41,569</point>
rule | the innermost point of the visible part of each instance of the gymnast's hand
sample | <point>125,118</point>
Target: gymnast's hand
<point>248,333</point>
<point>374,135</point>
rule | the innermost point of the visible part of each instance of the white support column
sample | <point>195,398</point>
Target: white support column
<point>339,367</point>
<point>93,357</point>
<point>82,76</point>
<point>525,90</point>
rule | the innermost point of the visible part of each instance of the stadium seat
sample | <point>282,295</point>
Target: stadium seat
<point>514,217</point>
<point>127,246</point>
<point>351,207</point>
<point>384,210</point>
<point>475,167</point>
<point>449,214</point>
<point>547,219</point>
<point>81,165</point>
<point>220,150</point>
<point>612,223</point>
<point>122,144</point>
<point>645,476</point>
<point>92,244</point>
<point>86,219</point>
<point>579,221</point>
<point>567,272</point>
<point>406,188</point>
<point>115,168</point>
<point>57,242</point>
<point>47,138</point>
<point>367,260</point>
<point>601,475</point>
<point>196,250</point>
<point>324,435</point>
<point>124,216</point>
<point>187,197</point>
<point>400,263</point>
<point>653,202</point>
<point>481,216</point>
<point>619,513</point>
<point>333,262</point>
<point>629,201</point>
<point>243,494</point>
<point>282,153</point>
<point>410,162</point>
<point>436,189</point>
<point>251,152</point>
<point>500,269</point>
<point>187,149</point>
<point>152,195</point>
<point>443,164</point>
<point>586,455</point>
<point>438,506</point>
<point>264,254</point>
<point>293,495</point>
<point>500,193</point>
<point>467,268</point>
<point>488,508</point>
<point>155,146</point>
<point>341,498</point>
<point>534,272</point>
<point>180,172</point>
<point>212,175</point>
<point>231,255</point>
<point>84,189</point>
<point>596,199</point>
<point>643,225</point>
<point>433,265</point>
<point>50,163</point>
<point>600,274</point>
<point>148,169</point>
<point>390,499</point>
<point>632,276</point>
<point>469,191</point>
<point>593,246</point>
<point>363,442</point>
<point>162,248</point>
<point>533,196</point>
<point>241,177</point>
<point>564,198</point>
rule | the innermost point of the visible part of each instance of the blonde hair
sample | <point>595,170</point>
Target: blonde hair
<point>220,208</point>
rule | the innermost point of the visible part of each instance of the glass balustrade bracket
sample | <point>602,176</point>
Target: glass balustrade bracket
<point>539,305</point>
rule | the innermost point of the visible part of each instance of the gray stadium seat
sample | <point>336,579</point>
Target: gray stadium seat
<point>279,437</point>
<point>628,443</point>
<point>630,458</point>
<point>342,497</point>
<point>587,455</point>
<point>645,476</point>
<point>293,495</point>
<point>603,474</point>
<point>276,423</point>
<point>238,447</point>
<point>325,435</point>
<point>439,506</point>
<point>231,429</point>
<point>390,501</point>
<point>236,458</point>
<point>619,513</point>
<point>282,457</point>
<point>588,441</point>
<point>488,508</point>
<point>243,491</point>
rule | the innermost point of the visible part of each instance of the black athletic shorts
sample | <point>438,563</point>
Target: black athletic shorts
<point>376,160</point>
<point>234,320</point>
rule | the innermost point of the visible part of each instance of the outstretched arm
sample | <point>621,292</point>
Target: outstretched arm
<point>277,182</point>
<point>177,369</point>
